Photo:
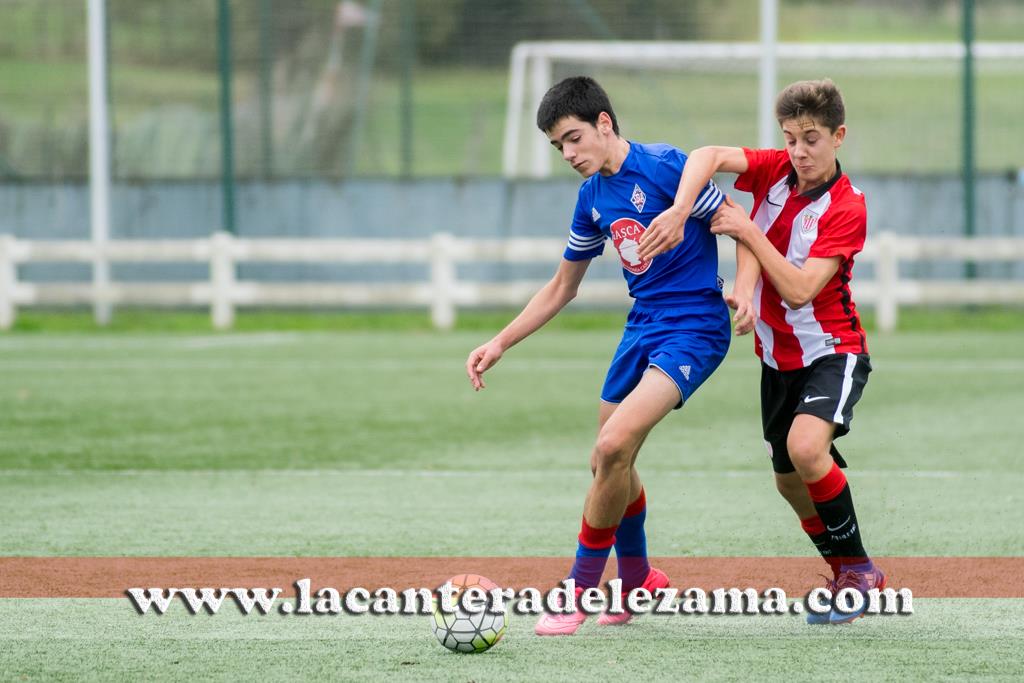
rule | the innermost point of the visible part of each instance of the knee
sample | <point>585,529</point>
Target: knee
<point>805,452</point>
<point>613,451</point>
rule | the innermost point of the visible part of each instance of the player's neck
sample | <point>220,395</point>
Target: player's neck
<point>804,185</point>
<point>616,156</point>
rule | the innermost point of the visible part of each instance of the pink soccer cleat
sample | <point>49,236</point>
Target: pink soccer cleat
<point>862,581</point>
<point>655,579</point>
<point>561,624</point>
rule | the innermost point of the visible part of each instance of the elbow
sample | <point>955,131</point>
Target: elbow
<point>564,292</point>
<point>795,303</point>
<point>798,299</point>
<point>709,151</point>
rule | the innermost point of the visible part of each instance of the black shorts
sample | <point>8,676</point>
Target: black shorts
<point>827,388</point>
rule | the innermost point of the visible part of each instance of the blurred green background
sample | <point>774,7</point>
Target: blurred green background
<point>318,84</point>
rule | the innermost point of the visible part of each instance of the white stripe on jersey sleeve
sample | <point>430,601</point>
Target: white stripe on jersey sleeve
<point>583,244</point>
<point>708,200</point>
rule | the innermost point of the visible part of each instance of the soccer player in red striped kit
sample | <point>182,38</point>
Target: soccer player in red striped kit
<point>795,258</point>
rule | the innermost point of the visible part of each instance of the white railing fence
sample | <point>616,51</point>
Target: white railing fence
<point>444,293</point>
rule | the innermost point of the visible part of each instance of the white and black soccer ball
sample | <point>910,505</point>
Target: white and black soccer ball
<point>460,631</point>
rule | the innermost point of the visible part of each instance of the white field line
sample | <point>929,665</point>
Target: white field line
<point>990,365</point>
<point>244,340</point>
<point>476,474</point>
<point>189,342</point>
<point>117,341</point>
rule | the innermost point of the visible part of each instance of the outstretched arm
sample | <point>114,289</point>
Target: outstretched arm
<point>545,304</point>
<point>666,231</point>
<point>748,270</point>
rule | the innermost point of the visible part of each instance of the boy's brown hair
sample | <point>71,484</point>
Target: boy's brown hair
<point>819,100</point>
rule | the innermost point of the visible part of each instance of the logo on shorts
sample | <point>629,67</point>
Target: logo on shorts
<point>812,399</point>
<point>594,214</point>
<point>685,369</point>
<point>810,222</point>
<point>638,198</point>
<point>626,234</point>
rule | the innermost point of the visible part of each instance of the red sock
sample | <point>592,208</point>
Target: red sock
<point>597,539</point>
<point>637,506</point>
<point>828,487</point>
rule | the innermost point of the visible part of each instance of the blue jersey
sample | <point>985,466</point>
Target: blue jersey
<point>620,207</point>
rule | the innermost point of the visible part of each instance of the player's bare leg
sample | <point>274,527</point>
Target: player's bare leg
<point>618,443</point>
<point>605,411</point>
<point>622,431</point>
<point>634,568</point>
<point>808,444</point>
<point>793,489</point>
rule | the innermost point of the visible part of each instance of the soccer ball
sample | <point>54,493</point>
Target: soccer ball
<point>460,631</point>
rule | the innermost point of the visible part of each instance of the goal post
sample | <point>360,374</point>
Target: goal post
<point>533,67</point>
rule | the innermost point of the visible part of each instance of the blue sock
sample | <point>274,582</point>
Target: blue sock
<point>631,545</point>
<point>589,565</point>
<point>595,545</point>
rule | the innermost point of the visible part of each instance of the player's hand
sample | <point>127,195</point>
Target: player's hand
<point>730,219</point>
<point>481,359</point>
<point>745,316</point>
<point>664,233</point>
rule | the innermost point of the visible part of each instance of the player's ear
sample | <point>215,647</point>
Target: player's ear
<point>604,123</point>
<point>839,136</point>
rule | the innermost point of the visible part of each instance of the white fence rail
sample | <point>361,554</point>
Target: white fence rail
<point>443,292</point>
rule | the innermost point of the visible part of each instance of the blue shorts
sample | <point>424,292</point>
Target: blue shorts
<point>686,343</point>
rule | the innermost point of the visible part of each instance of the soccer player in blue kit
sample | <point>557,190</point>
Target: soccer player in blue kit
<point>676,334</point>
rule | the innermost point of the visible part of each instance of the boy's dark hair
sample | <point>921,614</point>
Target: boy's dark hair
<point>578,96</point>
<point>819,100</point>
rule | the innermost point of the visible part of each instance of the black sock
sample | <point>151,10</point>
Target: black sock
<point>834,504</point>
<point>822,540</point>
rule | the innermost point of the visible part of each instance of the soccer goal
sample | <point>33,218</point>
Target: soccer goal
<point>907,96</point>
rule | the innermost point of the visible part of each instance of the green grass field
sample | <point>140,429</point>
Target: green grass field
<point>371,443</point>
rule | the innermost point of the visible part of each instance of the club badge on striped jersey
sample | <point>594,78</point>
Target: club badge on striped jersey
<point>638,198</point>
<point>810,222</point>
<point>626,234</point>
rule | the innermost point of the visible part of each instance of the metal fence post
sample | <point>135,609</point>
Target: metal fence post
<point>540,81</point>
<point>442,280</point>
<point>887,274</point>
<point>222,280</point>
<point>8,282</point>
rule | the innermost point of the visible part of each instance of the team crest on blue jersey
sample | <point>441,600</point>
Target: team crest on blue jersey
<point>638,198</point>
<point>594,214</point>
<point>626,234</point>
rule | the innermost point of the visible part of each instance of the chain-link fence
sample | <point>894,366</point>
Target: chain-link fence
<point>331,89</point>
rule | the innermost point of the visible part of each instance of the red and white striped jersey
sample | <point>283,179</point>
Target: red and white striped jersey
<point>829,220</point>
